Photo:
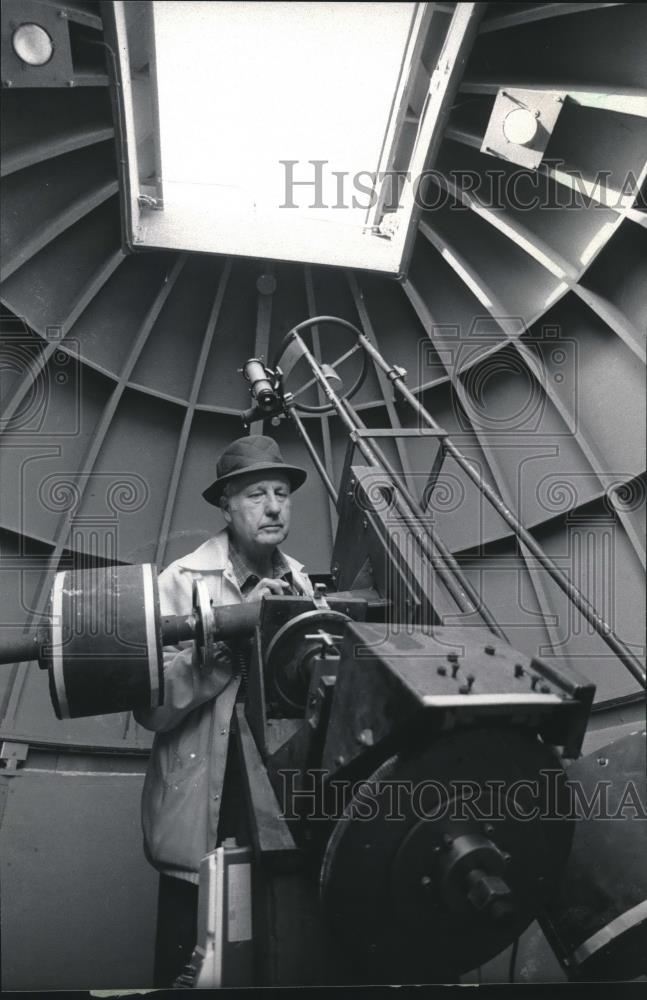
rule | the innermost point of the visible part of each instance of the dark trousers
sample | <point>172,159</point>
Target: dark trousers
<point>177,906</point>
<point>177,912</point>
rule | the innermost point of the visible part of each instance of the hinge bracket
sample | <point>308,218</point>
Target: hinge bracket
<point>12,755</point>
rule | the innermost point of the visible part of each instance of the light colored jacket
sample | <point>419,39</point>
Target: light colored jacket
<point>184,780</point>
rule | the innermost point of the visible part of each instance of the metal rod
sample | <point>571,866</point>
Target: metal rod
<point>20,649</point>
<point>426,538</point>
<point>603,629</point>
<point>370,454</point>
<point>329,392</point>
<point>229,620</point>
<point>444,553</point>
<point>307,440</point>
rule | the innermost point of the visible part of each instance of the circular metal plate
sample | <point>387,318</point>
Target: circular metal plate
<point>287,655</point>
<point>382,881</point>
<point>204,622</point>
<point>598,917</point>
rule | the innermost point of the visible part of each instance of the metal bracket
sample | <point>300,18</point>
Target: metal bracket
<point>319,597</point>
<point>389,226</point>
<point>11,756</point>
<point>521,124</point>
<point>396,372</point>
<point>386,229</point>
<point>148,201</point>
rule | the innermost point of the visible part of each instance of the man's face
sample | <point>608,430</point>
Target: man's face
<point>258,513</point>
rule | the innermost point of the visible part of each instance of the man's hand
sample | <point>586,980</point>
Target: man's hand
<point>221,663</point>
<point>265,587</point>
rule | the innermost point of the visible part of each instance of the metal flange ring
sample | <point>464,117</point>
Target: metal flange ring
<point>286,657</point>
<point>204,622</point>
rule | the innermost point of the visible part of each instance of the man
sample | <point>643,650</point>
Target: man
<point>181,804</point>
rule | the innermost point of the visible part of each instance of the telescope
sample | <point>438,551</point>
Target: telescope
<point>408,773</point>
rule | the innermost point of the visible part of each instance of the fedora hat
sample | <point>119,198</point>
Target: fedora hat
<point>255,453</point>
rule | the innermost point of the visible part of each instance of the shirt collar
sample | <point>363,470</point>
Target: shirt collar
<point>213,556</point>
<point>246,577</point>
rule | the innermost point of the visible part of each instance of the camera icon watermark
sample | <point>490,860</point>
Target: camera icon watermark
<point>87,511</point>
<point>41,383</point>
<point>503,382</point>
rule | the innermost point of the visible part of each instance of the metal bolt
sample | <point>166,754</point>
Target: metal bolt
<point>339,760</point>
<point>425,881</point>
<point>502,910</point>
<point>365,737</point>
<point>603,761</point>
<point>489,829</point>
<point>447,841</point>
<point>70,83</point>
<point>266,284</point>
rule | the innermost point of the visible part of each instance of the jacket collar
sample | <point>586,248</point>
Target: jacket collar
<point>213,556</point>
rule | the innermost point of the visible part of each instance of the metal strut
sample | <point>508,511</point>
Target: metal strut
<point>443,556</point>
<point>444,564</point>
<point>396,377</point>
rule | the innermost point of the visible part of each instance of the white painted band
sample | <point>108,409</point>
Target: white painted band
<point>57,644</point>
<point>465,700</point>
<point>151,637</point>
<point>219,910</point>
<point>614,929</point>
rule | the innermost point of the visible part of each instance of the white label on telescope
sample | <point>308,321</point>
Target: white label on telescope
<point>239,902</point>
